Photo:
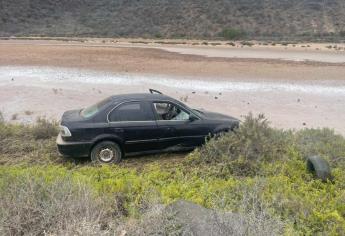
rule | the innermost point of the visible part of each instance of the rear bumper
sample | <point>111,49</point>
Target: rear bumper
<point>73,149</point>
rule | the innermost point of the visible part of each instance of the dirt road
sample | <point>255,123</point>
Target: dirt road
<point>41,78</point>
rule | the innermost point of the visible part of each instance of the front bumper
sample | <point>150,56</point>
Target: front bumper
<point>73,149</point>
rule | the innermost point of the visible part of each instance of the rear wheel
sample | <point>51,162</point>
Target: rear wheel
<point>106,152</point>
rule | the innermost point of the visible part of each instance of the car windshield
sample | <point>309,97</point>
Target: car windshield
<point>92,110</point>
<point>195,111</point>
<point>198,112</point>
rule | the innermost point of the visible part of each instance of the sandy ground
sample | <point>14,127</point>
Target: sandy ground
<point>294,87</point>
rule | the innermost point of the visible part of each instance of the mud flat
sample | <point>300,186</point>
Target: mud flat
<point>264,53</point>
<point>45,80</point>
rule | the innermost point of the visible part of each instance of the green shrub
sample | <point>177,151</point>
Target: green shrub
<point>256,171</point>
<point>312,207</point>
<point>243,151</point>
<point>158,35</point>
<point>289,196</point>
<point>323,142</point>
<point>255,144</point>
<point>232,34</point>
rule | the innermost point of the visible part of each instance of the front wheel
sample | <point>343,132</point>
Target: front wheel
<point>106,152</point>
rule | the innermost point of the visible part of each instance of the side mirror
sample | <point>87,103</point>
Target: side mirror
<point>192,117</point>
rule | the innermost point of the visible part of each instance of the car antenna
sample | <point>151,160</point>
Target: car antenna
<point>155,91</point>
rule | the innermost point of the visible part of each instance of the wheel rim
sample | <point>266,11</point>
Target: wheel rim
<point>106,154</point>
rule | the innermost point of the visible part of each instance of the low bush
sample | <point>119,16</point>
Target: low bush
<point>23,143</point>
<point>288,199</point>
<point>248,149</point>
<point>32,205</point>
<point>44,129</point>
<point>246,43</point>
<point>1,118</point>
<point>232,34</point>
<point>231,44</point>
<point>323,142</point>
<point>257,171</point>
<point>245,150</point>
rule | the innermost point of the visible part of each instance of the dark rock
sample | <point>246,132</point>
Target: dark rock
<point>187,218</point>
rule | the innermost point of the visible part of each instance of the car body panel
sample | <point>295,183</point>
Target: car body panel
<point>184,133</point>
<point>145,136</point>
<point>73,149</point>
<point>137,136</point>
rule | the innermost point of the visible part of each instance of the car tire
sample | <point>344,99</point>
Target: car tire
<point>319,167</point>
<point>106,152</point>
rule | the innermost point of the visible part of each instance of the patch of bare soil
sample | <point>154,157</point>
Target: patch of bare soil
<point>45,79</point>
<point>131,59</point>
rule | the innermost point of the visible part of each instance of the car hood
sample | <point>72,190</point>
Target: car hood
<point>216,116</point>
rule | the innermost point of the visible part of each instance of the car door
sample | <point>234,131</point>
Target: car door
<point>176,129</point>
<point>135,123</point>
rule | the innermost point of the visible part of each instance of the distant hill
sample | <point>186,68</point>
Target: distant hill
<point>231,19</point>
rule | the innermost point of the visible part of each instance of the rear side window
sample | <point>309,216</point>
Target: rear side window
<point>131,111</point>
<point>92,110</point>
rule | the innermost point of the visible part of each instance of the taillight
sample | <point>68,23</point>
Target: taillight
<point>64,131</point>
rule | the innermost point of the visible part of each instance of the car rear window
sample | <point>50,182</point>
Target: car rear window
<point>92,110</point>
<point>131,111</point>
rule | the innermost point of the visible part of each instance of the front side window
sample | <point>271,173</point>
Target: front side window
<point>169,111</point>
<point>131,111</point>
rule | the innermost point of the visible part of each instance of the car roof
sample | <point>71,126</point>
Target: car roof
<point>140,96</point>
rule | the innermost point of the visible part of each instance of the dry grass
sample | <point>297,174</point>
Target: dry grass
<point>44,129</point>
<point>2,120</point>
<point>28,113</point>
<point>24,143</point>
<point>14,116</point>
<point>187,218</point>
<point>254,216</point>
<point>36,206</point>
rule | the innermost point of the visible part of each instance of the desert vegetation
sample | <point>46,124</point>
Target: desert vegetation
<point>274,19</point>
<point>232,34</point>
<point>251,181</point>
